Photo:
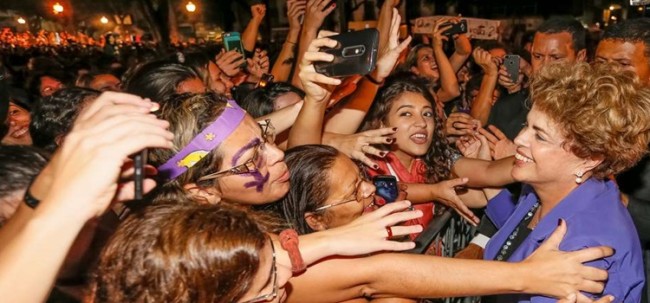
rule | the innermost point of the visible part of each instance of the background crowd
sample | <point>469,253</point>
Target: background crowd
<point>258,183</point>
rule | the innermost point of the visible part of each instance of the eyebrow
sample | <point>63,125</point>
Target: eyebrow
<point>405,106</point>
<point>246,147</point>
<point>541,130</point>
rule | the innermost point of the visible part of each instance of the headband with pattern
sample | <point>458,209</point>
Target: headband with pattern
<point>204,142</point>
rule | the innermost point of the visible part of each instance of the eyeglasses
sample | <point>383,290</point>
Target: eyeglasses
<point>274,274</point>
<point>358,195</point>
<point>258,159</point>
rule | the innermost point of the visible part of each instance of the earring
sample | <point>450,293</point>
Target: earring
<point>579,177</point>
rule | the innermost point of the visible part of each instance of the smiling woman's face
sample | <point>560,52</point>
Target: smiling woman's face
<point>413,116</point>
<point>18,120</point>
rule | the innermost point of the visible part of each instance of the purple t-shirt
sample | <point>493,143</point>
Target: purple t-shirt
<point>595,216</point>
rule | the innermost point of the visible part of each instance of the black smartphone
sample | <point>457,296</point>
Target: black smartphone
<point>456,28</point>
<point>139,161</point>
<point>356,53</point>
<point>511,63</point>
<point>386,187</point>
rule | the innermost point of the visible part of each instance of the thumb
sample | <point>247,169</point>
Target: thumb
<point>458,182</point>
<point>554,240</point>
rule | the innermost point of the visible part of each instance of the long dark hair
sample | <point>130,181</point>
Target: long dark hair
<point>309,166</point>
<point>438,156</point>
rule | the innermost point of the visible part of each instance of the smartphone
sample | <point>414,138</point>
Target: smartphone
<point>456,28</point>
<point>511,63</point>
<point>232,40</point>
<point>139,161</point>
<point>386,187</point>
<point>356,53</point>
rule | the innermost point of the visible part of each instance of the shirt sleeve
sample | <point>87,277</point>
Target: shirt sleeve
<point>501,207</point>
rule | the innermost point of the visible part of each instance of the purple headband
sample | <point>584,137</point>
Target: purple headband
<point>204,142</point>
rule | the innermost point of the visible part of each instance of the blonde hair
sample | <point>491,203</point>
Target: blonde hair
<point>601,110</point>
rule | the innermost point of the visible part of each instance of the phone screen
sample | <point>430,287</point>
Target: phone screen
<point>233,44</point>
<point>386,187</point>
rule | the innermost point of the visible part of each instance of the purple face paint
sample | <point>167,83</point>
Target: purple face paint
<point>260,180</point>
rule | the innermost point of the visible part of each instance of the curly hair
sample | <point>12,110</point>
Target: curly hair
<point>602,112</point>
<point>439,155</point>
<point>181,253</point>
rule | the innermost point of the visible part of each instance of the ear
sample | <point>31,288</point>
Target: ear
<point>415,70</point>
<point>589,164</point>
<point>581,56</point>
<point>315,221</point>
<point>203,195</point>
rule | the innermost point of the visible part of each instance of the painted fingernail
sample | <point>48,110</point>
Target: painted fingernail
<point>375,166</point>
<point>613,251</point>
<point>383,154</point>
<point>394,129</point>
<point>389,140</point>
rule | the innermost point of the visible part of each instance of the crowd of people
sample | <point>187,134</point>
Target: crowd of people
<point>258,176</point>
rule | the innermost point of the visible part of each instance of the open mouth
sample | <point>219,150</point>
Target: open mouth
<point>20,132</point>
<point>419,138</point>
<point>523,158</point>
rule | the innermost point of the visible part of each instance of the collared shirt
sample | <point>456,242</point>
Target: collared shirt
<point>594,216</point>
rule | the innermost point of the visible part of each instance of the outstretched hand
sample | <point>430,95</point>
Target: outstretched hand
<point>445,193</point>
<point>368,233</point>
<point>555,273</point>
<point>390,54</point>
<point>360,145</point>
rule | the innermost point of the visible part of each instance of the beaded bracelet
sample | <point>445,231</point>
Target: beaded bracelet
<point>289,242</point>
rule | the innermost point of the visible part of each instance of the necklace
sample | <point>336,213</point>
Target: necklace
<point>517,236</point>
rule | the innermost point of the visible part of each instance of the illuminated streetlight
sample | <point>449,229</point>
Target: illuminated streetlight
<point>190,7</point>
<point>21,20</point>
<point>640,8</point>
<point>58,8</point>
<point>103,20</point>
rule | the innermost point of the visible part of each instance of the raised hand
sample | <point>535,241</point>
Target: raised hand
<point>316,12</point>
<point>438,31</point>
<point>258,11</point>
<point>259,64</point>
<point>389,55</point>
<point>104,134</point>
<point>230,62</point>
<point>295,11</point>
<point>500,146</point>
<point>461,124</point>
<point>318,87</point>
<point>483,58</point>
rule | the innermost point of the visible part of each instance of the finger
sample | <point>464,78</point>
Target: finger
<point>366,161</point>
<point>571,298</point>
<point>497,132</point>
<point>387,209</point>
<point>553,241</point>
<point>398,245</point>
<point>113,98</point>
<point>326,33</point>
<point>405,230</point>
<point>401,216</point>
<point>371,150</point>
<point>126,191</point>
<point>466,213</point>
<point>322,79</point>
<point>591,286</point>
<point>488,135</point>
<point>380,131</point>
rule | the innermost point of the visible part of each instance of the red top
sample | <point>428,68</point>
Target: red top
<point>415,175</point>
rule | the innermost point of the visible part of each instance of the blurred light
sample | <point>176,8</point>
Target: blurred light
<point>21,20</point>
<point>103,20</point>
<point>641,8</point>
<point>190,7</point>
<point>611,7</point>
<point>58,8</point>
<point>613,18</point>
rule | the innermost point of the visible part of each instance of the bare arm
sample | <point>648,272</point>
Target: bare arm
<point>483,173</point>
<point>547,271</point>
<point>463,49</point>
<point>284,118</point>
<point>448,82</point>
<point>483,104</point>
<point>315,14</point>
<point>249,36</point>
<point>287,57</point>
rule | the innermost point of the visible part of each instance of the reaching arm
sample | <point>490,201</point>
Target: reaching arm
<point>315,14</point>
<point>346,120</point>
<point>249,36</point>
<point>547,271</point>
<point>448,82</point>
<point>483,104</point>
<point>463,49</point>
<point>287,57</point>
<point>483,173</point>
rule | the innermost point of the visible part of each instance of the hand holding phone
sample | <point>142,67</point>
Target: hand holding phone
<point>511,64</point>
<point>356,53</point>
<point>232,41</point>
<point>386,187</point>
<point>456,28</point>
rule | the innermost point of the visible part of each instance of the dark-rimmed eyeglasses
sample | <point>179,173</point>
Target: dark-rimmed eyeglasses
<point>358,195</point>
<point>253,164</point>
<point>274,275</point>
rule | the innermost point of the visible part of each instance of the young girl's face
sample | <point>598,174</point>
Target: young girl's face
<point>413,116</point>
